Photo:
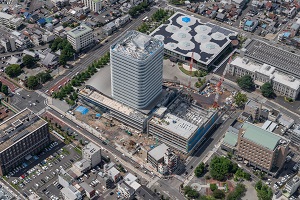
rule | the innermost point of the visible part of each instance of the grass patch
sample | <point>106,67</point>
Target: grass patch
<point>15,186</point>
<point>187,72</point>
<point>78,150</point>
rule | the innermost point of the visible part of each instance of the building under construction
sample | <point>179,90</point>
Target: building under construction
<point>183,125</point>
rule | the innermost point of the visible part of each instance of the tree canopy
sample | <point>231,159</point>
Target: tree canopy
<point>4,89</point>
<point>13,70</point>
<point>190,192</point>
<point>238,192</point>
<point>199,170</point>
<point>240,99</point>
<point>66,48</point>
<point>246,83</point>
<point>221,167</point>
<point>32,82</point>
<point>218,194</point>
<point>267,90</point>
<point>264,192</point>
<point>29,61</point>
<point>136,10</point>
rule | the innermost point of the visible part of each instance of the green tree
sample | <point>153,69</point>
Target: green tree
<point>190,192</point>
<point>221,167</point>
<point>267,90</point>
<point>238,192</point>
<point>240,99</point>
<point>29,61</point>
<point>199,170</point>
<point>246,83</point>
<point>13,70</point>
<point>4,89</point>
<point>218,194</point>
<point>213,186</point>
<point>32,82</point>
<point>264,192</point>
<point>0,84</point>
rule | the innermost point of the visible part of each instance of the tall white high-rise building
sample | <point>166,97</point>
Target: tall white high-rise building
<point>94,5</point>
<point>136,69</point>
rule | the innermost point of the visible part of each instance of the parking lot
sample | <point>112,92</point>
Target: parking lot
<point>42,170</point>
<point>23,99</point>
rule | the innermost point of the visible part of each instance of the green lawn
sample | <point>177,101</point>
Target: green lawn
<point>187,72</point>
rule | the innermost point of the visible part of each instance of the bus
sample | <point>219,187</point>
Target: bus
<point>145,19</point>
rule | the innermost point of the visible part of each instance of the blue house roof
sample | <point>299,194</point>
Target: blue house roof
<point>249,23</point>
<point>286,34</point>
<point>41,21</point>
<point>27,15</point>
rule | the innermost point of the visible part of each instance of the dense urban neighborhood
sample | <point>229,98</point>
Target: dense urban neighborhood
<point>149,99</point>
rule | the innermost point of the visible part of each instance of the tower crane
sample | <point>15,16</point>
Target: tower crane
<point>218,85</point>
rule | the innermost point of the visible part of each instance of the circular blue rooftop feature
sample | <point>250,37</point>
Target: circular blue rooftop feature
<point>186,19</point>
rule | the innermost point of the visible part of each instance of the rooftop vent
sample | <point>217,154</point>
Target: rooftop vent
<point>245,60</point>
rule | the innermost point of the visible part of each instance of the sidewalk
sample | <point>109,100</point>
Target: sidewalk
<point>255,96</point>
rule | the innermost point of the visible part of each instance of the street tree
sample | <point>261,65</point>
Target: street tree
<point>240,99</point>
<point>246,83</point>
<point>4,89</point>
<point>267,90</point>
<point>32,82</point>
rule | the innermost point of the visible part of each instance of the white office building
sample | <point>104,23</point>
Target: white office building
<point>80,37</point>
<point>136,69</point>
<point>283,84</point>
<point>292,186</point>
<point>94,5</point>
<point>92,153</point>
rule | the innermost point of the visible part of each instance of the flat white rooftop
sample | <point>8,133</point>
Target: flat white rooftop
<point>267,70</point>
<point>176,125</point>
<point>79,30</point>
<point>4,15</point>
<point>136,45</point>
<point>112,104</point>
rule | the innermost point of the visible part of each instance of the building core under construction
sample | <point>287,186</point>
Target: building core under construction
<point>182,125</point>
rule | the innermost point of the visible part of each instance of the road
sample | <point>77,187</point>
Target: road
<point>200,154</point>
<point>97,51</point>
<point>126,161</point>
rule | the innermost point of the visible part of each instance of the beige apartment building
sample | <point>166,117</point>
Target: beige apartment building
<point>261,148</point>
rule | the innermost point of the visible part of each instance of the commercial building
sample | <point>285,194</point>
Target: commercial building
<point>21,135</point>
<point>261,148</point>
<point>69,191</point>
<point>128,186</point>
<point>283,84</point>
<point>230,140</point>
<point>183,35</point>
<point>92,153</point>
<point>250,25</point>
<point>156,155</point>
<point>9,20</point>
<point>94,5</point>
<point>136,61</point>
<point>263,53</point>
<point>182,126</point>
<point>292,186</point>
<point>80,37</point>
<point>295,135</point>
<point>253,108</point>
<point>115,109</point>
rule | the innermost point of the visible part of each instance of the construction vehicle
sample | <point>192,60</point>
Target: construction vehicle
<point>219,84</point>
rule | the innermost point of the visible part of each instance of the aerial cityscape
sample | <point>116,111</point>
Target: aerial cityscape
<point>149,99</point>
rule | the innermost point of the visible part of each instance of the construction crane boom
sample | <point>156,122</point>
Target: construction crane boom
<point>219,84</point>
<point>191,69</point>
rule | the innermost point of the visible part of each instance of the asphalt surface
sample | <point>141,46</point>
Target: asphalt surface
<point>96,52</point>
<point>210,143</point>
<point>23,99</point>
